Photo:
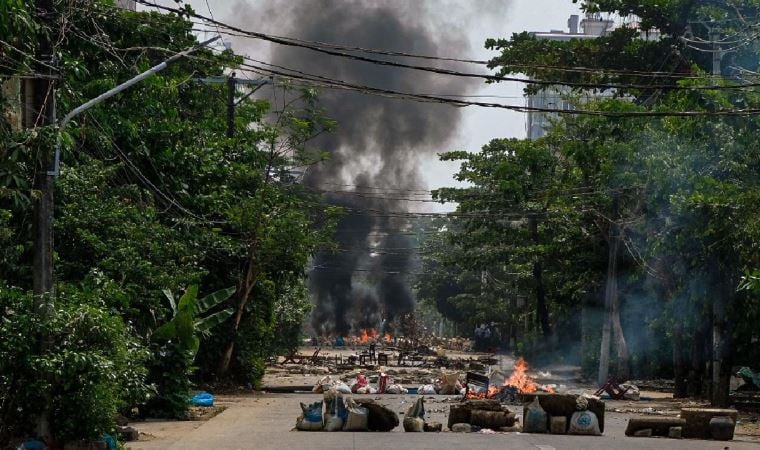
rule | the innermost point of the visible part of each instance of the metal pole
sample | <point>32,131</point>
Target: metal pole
<point>231,84</point>
<point>111,92</point>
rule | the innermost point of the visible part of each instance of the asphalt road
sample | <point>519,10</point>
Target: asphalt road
<point>267,422</point>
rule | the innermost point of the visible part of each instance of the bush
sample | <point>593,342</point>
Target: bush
<point>91,367</point>
<point>169,370</point>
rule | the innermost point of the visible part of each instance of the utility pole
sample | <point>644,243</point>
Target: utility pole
<point>43,113</point>
<point>232,84</point>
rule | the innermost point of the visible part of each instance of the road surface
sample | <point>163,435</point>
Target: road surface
<point>266,421</point>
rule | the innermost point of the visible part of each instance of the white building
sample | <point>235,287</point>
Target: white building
<point>127,4</point>
<point>591,27</point>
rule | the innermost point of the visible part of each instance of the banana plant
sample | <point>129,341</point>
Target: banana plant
<point>190,319</point>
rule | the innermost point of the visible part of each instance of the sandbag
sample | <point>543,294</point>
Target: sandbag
<point>361,381</point>
<point>413,424</point>
<point>334,423</point>
<point>449,381</point>
<point>426,389</point>
<point>396,389</point>
<point>342,388</point>
<point>324,384</point>
<point>366,390</point>
<point>417,409</point>
<point>357,417</point>
<point>334,406</point>
<point>535,418</point>
<point>311,417</point>
<point>584,422</point>
<point>632,392</point>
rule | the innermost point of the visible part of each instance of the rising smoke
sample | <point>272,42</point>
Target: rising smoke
<point>379,142</point>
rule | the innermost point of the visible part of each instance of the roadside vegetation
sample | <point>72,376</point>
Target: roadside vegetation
<point>657,215</point>
<point>173,243</point>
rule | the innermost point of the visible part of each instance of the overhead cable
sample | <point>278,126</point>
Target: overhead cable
<point>315,47</point>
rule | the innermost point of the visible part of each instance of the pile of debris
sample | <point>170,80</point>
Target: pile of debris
<point>506,389</point>
<point>447,383</point>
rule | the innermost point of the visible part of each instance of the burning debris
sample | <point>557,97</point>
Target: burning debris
<point>518,382</point>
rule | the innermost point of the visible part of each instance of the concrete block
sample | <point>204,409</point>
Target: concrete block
<point>698,421</point>
<point>722,428</point>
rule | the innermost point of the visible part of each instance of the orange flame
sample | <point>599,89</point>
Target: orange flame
<point>364,338</point>
<point>520,378</point>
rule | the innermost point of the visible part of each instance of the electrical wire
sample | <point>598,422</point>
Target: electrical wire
<point>315,47</point>
<point>599,71</point>
<point>342,85</point>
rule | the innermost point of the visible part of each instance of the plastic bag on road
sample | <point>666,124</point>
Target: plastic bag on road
<point>202,399</point>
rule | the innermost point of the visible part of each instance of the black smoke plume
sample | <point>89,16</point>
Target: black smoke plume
<point>380,142</point>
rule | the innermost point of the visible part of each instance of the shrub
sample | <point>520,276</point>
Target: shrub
<point>90,367</point>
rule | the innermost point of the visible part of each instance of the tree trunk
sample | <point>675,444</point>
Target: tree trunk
<point>542,310</point>
<point>679,363</point>
<point>694,387</point>
<point>621,347</point>
<point>723,321</point>
<point>610,299</point>
<point>609,294</point>
<point>241,296</point>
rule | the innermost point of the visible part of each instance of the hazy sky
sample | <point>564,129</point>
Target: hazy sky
<point>483,19</point>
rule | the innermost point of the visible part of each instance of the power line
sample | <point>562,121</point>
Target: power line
<point>317,48</point>
<point>600,71</point>
<point>339,84</point>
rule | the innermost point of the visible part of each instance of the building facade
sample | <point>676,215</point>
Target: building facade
<point>127,4</point>
<point>591,27</point>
